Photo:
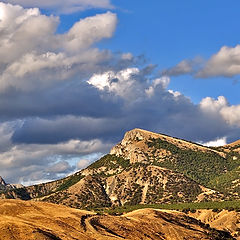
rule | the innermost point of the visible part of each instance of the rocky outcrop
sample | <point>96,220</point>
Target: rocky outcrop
<point>135,148</point>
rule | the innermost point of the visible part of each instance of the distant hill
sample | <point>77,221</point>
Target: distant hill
<point>4,186</point>
<point>146,168</point>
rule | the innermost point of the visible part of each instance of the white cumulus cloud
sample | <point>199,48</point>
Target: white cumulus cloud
<point>224,63</point>
<point>120,83</point>
<point>32,55</point>
<point>216,143</point>
<point>230,113</point>
<point>90,30</point>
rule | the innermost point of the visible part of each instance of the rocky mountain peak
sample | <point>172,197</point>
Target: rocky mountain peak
<point>138,134</point>
<point>133,144</point>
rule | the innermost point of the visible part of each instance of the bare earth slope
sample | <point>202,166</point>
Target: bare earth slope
<point>44,221</point>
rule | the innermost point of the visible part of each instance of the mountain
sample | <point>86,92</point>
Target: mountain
<point>146,168</point>
<point>215,168</point>
<point>44,221</point>
<point>4,186</point>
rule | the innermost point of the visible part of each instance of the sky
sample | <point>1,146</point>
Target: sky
<point>76,75</point>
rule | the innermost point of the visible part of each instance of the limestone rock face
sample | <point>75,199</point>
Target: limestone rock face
<point>133,145</point>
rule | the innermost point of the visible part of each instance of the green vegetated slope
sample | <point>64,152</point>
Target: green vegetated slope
<point>228,182</point>
<point>110,162</point>
<point>191,206</point>
<point>135,183</point>
<point>207,168</point>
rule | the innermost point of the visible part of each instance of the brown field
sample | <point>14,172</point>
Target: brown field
<point>45,221</point>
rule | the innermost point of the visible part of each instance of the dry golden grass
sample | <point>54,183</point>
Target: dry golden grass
<point>23,220</point>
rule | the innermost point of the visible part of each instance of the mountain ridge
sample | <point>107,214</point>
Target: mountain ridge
<point>5,186</point>
<point>144,168</point>
<point>140,134</point>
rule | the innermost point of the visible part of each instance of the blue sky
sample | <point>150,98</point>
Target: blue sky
<point>169,31</point>
<point>166,32</point>
<point>76,75</point>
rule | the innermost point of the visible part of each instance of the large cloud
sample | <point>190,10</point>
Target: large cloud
<point>42,74</point>
<point>142,104</point>
<point>63,6</point>
<point>231,114</point>
<point>225,63</point>
<point>22,56</point>
<point>31,162</point>
<point>49,58</point>
<point>62,99</point>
